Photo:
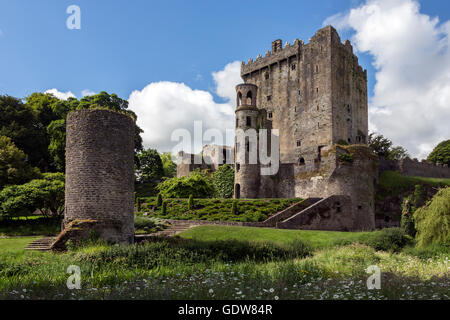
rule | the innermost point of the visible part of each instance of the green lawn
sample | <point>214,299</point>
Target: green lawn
<point>17,244</point>
<point>318,239</point>
<point>226,263</point>
<point>30,227</point>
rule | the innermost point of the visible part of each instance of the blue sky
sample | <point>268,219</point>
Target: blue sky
<point>126,45</point>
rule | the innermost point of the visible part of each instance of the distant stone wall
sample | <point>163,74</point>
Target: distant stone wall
<point>412,167</point>
<point>99,171</point>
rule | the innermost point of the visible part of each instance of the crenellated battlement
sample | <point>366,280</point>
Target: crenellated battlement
<point>277,53</point>
<point>297,50</point>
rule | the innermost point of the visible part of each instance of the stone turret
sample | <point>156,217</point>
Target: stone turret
<point>99,177</point>
<point>247,175</point>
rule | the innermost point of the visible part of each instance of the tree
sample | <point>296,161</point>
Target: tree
<point>397,153</point>
<point>441,153</point>
<point>169,167</point>
<point>150,167</point>
<point>46,195</point>
<point>383,147</point>
<point>18,122</point>
<point>14,167</point>
<point>223,180</point>
<point>197,184</point>
<point>56,130</point>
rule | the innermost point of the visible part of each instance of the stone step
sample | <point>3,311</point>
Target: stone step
<point>43,244</point>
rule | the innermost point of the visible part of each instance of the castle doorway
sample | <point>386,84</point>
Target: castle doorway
<point>237,191</point>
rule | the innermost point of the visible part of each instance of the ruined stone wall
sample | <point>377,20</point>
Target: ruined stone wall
<point>100,171</point>
<point>333,214</point>
<point>410,167</point>
<point>211,158</point>
<point>414,168</point>
<point>353,175</point>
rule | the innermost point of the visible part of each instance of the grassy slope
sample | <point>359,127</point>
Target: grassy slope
<point>318,239</point>
<point>392,183</point>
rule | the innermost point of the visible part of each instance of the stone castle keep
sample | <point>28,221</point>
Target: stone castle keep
<point>315,94</point>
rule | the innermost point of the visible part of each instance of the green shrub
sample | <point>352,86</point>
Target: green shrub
<point>197,183</point>
<point>164,208</point>
<point>139,204</point>
<point>420,196</point>
<point>390,239</point>
<point>407,221</point>
<point>432,221</point>
<point>148,224</point>
<point>428,252</point>
<point>191,202</point>
<point>342,142</point>
<point>223,180</point>
<point>407,225</point>
<point>234,210</point>
<point>345,157</point>
<point>159,200</point>
<point>46,195</point>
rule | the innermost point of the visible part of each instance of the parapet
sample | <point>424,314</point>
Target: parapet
<point>280,52</point>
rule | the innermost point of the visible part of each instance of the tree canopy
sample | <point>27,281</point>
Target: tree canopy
<point>149,167</point>
<point>170,168</point>
<point>383,147</point>
<point>14,167</point>
<point>45,194</point>
<point>441,153</point>
<point>197,184</point>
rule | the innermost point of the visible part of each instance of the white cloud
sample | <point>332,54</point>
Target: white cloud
<point>61,95</point>
<point>227,79</point>
<point>411,102</point>
<point>87,92</point>
<point>163,107</point>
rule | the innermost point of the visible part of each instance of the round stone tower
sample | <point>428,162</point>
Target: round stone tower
<point>99,173</point>
<point>247,169</point>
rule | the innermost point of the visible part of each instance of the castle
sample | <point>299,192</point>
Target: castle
<point>315,95</point>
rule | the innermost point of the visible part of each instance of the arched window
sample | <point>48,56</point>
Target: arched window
<point>239,99</point>
<point>301,161</point>
<point>237,191</point>
<point>249,98</point>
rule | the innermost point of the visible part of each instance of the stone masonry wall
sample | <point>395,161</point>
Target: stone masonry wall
<point>412,167</point>
<point>99,170</point>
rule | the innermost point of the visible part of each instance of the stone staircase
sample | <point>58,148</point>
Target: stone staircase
<point>175,228</point>
<point>289,212</point>
<point>42,244</point>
